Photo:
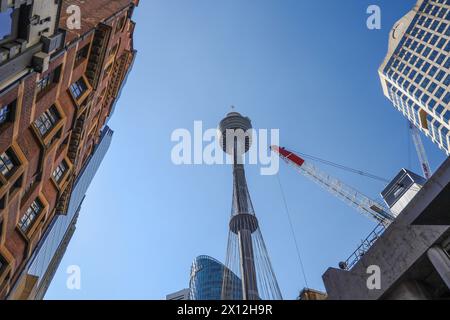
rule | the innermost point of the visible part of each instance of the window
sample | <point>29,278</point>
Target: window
<point>439,109</point>
<point>2,261</point>
<point>113,50</point>
<point>433,71</point>
<point>441,58</point>
<point>447,47</point>
<point>60,170</point>
<point>432,87</point>
<point>446,99</point>
<point>440,91</point>
<point>6,112</point>
<point>440,75</point>
<point>107,71</point>
<point>81,54</point>
<point>447,80</point>
<point>120,24</point>
<point>7,163</point>
<point>78,88</point>
<point>30,215</point>
<point>47,120</point>
<point>46,81</point>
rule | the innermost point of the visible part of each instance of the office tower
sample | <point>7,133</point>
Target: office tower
<point>415,74</point>
<point>246,252</point>
<point>58,84</point>
<point>208,277</point>
<point>179,295</point>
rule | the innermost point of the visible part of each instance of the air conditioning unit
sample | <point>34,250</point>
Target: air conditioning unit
<point>41,61</point>
<point>52,43</point>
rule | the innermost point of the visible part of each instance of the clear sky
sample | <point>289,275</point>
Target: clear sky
<point>308,68</point>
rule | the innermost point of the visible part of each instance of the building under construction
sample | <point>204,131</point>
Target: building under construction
<point>412,254</point>
<point>409,258</point>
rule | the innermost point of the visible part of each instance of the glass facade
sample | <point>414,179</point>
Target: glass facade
<point>207,276</point>
<point>416,76</point>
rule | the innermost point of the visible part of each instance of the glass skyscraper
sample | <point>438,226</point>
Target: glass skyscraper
<point>415,74</point>
<point>207,276</point>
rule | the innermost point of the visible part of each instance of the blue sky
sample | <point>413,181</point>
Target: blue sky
<point>308,68</point>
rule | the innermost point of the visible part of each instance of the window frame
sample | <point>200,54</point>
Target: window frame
<point>48,138</point>
<point>64,173</point>
<point>48,120</point>
<point>36,216</point>
<point>82,54</point>
<point>121,22</point>
<point>13,159</point>
<point>10,113</point>
<point>50,80</point>
<point>79,99</point>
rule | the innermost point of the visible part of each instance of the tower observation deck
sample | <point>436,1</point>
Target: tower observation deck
<point>246,252</point>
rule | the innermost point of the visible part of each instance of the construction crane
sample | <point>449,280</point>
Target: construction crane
<point>349,195</point>
<point>424,164</point>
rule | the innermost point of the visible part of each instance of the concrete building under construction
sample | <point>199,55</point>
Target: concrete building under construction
<point>410,258</point>
<point>412,255</point>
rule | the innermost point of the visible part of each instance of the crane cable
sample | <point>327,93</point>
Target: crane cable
<point>348,169</point>
<point>408,141</point>
<point>342,167</point>
<point>297,247</point>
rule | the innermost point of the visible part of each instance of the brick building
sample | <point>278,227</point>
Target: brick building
<point>57,89</point>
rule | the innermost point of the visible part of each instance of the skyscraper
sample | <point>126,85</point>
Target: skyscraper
<point>207,278</point>
<point>415,74</point>
<point>246,251</point>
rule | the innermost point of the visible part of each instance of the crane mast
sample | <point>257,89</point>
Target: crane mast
<point>349,195</point>
<point>424,164</point>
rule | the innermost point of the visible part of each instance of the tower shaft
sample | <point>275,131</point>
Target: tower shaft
<point>248,271</point>
<point>243,223</point>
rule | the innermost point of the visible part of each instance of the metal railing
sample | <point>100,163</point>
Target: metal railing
<point>365,245</point>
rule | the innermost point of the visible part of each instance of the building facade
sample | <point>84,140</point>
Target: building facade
<point>58,84</point>
<point>415,74</point>
<point>180,295</point>
<point>207,280</point>
<point>50,251</point>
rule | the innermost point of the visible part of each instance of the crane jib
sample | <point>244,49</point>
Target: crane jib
<point>289,155</point>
